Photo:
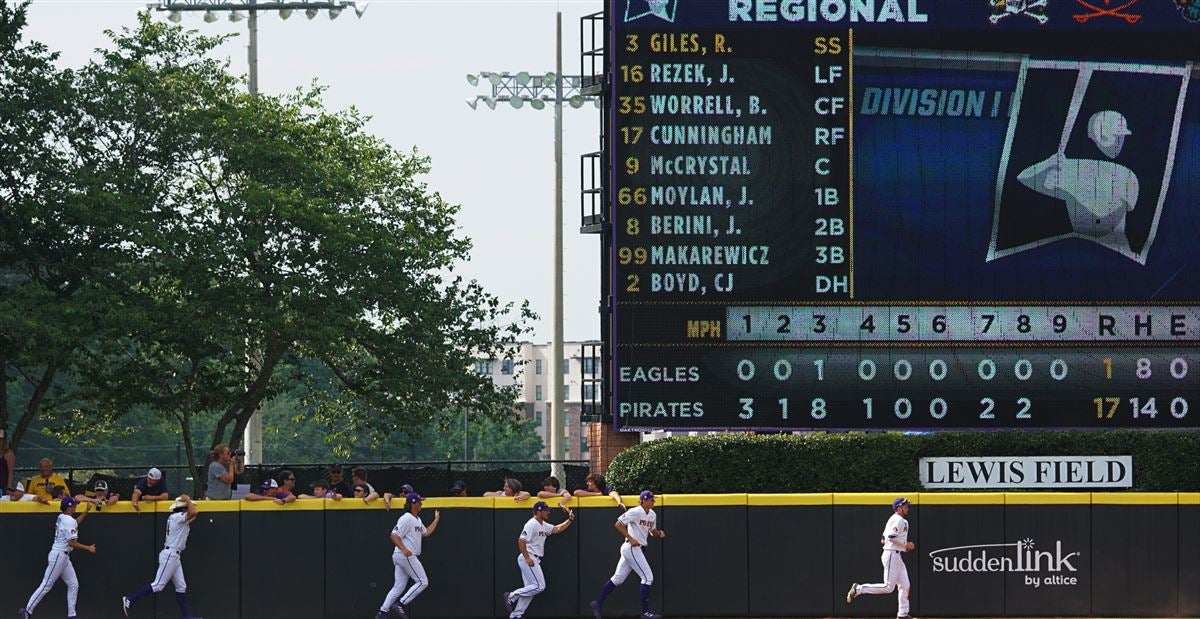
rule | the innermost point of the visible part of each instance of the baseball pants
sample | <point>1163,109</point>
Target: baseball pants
<point>632,560</point>
<point>895,574</point>
<point>535,583</point>
<point>407,568</point>
<point>169,569</point>
<point>58,565</point>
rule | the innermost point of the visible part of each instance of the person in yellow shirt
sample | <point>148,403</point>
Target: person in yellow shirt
<point>43,484</point>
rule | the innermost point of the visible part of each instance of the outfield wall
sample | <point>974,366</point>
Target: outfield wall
<point>1079,554</point>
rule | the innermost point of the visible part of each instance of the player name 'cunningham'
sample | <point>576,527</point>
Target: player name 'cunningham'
<point>691,135</point>
<point>700,165</point>
<point>734,255</point>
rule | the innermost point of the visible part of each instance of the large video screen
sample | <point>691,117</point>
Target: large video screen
<point>904,214</point>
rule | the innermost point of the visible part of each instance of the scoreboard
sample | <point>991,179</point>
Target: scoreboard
<point>903,214</point>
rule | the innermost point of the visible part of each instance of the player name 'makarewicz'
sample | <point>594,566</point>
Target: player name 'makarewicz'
<point>710,255</point>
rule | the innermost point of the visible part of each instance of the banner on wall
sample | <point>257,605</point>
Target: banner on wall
<point>1036,472</point>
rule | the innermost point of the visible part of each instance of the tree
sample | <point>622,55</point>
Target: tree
<point>85,160</point>
<point>284,234</point>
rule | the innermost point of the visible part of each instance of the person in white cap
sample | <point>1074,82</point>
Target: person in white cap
<point>179,525</point>
<point>1098,194</point>
<point>17,494</point>
<point>58,564</point>
<point>895,574</point>
<point>150,488</point>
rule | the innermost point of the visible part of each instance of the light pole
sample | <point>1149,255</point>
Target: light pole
<point>537,90</point>
<point>175,9</point>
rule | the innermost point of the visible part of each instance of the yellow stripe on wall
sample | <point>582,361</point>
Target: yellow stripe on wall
<point>299,505</point>
<point>962,498</point>
<point>1135,498</point>
<point>700,500</point>
<point>203,507</point>
<point>873,498</point>
<point>789,499</point>
<point>1189,498</point>
<point>1047,498</point>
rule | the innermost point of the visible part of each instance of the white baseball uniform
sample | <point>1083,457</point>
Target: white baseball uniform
<point>411,531</point>
<point>895,574</point>
<point>169,567</point>
<point>58,565</point>
<point>534,535</point>
<point>639,522</point>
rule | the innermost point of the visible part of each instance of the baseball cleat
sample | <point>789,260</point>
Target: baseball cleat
<point>852,593</point>
<point>508,602</point>
<point>125,604</point>
<point>383,614</point>
<point>650,615</point>
<point>24,614</point>
<point>400,611</point>
<point>595,606</point>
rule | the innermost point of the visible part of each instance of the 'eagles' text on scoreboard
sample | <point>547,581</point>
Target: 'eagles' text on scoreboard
<point>912,214</point>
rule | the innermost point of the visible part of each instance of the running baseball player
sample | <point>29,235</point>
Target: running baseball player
<point>179,525</point>
<point>637,525</point>
<point>531,542</point>
<point>58,564</point>
<point>895,574</point>
<point>407,536</point>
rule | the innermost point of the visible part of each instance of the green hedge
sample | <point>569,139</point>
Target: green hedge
<point>1164,461</point>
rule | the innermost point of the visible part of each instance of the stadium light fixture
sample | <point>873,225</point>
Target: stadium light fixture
<point>210,17</point>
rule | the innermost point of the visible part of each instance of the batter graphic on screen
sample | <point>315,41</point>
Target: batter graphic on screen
<point>1088,156</point>
<point>1097,193</point>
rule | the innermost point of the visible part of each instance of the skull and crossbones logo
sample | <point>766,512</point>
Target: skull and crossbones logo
<point>1033,9</point>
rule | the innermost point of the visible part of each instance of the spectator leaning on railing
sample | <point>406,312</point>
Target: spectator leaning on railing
<point>222,471</point>
<point>596,487</point>
<point>270,492</point>
<point>98,496</point>
<point>320,490</point>
<point>512,488</point>
<point>552,488</point>
<point>152,487</point>
<point>17,494</point>
<point>358,476</point>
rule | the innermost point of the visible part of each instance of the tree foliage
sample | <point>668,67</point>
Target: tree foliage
<point>174,244</point>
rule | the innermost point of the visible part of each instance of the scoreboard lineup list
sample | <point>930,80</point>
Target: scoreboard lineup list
<point>738,301</point>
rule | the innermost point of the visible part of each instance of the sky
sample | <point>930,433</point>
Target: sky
<point>405,63</point>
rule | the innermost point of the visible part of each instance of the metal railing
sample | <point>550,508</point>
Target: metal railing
<point>430,478</point>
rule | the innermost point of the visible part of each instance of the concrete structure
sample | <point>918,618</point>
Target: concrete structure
<point>530,370</point>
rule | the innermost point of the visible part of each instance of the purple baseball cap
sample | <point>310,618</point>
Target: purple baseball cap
<point>898,502</point>
<point>646,495</point>
<point>413,497</point>
<point>540,506</point>
<point>67,501</point>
